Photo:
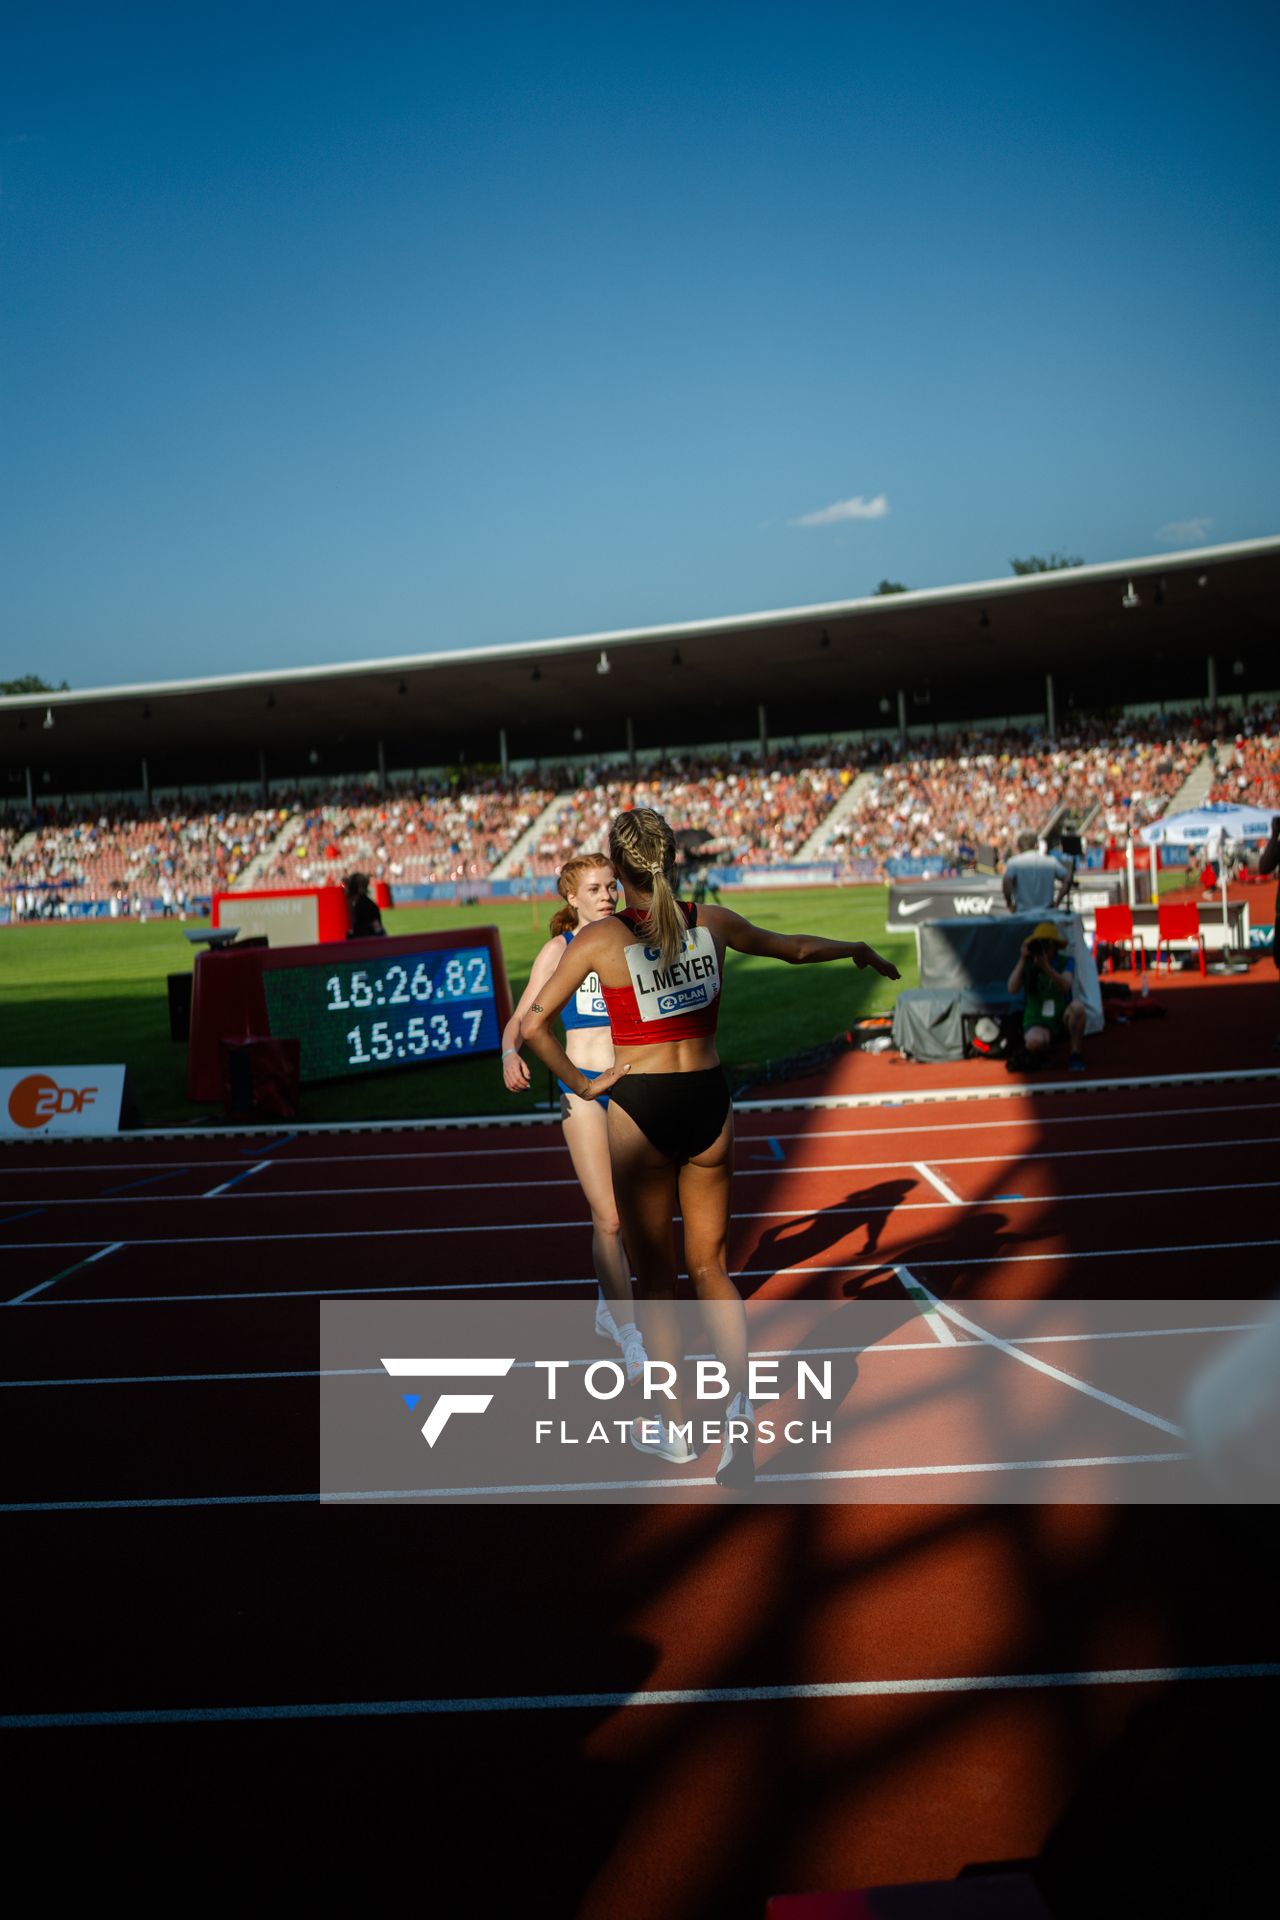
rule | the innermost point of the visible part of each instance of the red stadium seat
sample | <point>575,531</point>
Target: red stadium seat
<point>1178,922</point>
<point>1112,928</point>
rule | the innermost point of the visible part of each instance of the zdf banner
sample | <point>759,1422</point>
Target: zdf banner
<point>37,1102</point>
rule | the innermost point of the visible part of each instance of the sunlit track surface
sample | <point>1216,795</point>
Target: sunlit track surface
<point>802,1668</point>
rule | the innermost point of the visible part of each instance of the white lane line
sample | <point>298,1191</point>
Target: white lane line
<point>938,1184</point>
<point>428,1156</point>
<point>213,1192</point>
<point>841,1102</point>
<point>669,1483</point>
<point>649,1697</point>
<point>1086,1387</point>
<point>935,1322</point>
<point>469,1287</point>
<point>870,1348</point>
<point>777,1171</point>
<point>66,1273</point>
<point>553,1226</point>
<point>928,1096</point>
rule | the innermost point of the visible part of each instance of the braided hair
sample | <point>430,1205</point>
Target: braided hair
<point>643,849</point>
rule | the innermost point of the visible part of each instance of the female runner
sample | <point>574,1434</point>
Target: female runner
<point>670,1120</point>
<point>589,888</point>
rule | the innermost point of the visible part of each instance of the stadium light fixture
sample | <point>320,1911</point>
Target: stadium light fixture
<point>886,705</point>
<point>48,718</point>
<point>1202,580</point>
<point>1129,598</point>
<point>314,757</point>
<point>602,664</point>
<point>577,734</point>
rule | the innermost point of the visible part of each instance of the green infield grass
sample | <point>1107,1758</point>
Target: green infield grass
<point>94,992</point>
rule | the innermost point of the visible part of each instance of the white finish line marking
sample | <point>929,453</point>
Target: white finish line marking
<point>1039,1366</point>
<point>650,1697</point>
<point>227,1185</point>
<point>938,1184</point>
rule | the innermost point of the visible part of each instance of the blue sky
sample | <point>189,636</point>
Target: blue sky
<point>330,333</point>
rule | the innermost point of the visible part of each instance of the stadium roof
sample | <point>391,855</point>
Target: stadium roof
<point>957,653</point>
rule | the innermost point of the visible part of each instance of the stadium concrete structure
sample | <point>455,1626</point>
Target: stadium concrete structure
<point>1190,626</point>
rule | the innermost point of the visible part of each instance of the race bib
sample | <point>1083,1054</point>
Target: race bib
<point>690,983</point>
<point>589,1000</point>
<point>1048,1008</point>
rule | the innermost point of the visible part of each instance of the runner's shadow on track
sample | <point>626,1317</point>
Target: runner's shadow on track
<point>792,1243</point>
<point>974,1241</point>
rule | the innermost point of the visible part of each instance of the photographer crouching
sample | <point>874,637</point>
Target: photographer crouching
<point>1045,977</point>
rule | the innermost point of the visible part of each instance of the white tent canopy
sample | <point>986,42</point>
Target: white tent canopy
<point>1195,828</point>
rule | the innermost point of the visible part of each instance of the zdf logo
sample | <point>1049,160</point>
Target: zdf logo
<point>450,1403</point>
<point>35,1101</point>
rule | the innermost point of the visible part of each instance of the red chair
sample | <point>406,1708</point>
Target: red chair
<point>1112,928</point>
<point>1180,922</point>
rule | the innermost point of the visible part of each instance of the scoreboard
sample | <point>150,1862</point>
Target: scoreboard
<point>357,1009</point>
<point>354,1018</point>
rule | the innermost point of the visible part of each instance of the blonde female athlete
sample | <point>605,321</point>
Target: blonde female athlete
<point>588,886</point>
<point>660,965</point>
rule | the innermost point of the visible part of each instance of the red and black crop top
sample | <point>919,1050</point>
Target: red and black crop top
<point>679,1002</point>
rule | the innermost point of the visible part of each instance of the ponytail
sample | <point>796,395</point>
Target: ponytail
<point>643,848</point>
<point>565,919</point>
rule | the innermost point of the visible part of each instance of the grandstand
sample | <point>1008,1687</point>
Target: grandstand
<point>469,769</point>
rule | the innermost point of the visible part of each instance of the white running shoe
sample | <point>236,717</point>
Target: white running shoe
<point>738,1461</point>
<point>606,1325</point>
<point>634,1357</point>
<point>668,1444</point>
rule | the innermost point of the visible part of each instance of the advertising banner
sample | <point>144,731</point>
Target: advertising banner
<point>52,1102</point>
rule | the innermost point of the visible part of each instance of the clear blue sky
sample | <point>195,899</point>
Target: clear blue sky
<point>333,332</point>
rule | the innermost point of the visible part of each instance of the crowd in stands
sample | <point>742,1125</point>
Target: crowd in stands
<point>755,812</point>
<point>432,831</point>
<point>982,789</point>
<point>129,854</point>
<point>966,790</point>
<point>1249,774</point>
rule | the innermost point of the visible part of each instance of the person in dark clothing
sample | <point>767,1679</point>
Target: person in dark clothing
<point>362,909</point>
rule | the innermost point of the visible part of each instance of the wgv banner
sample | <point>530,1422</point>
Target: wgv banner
<point>40,1102</point>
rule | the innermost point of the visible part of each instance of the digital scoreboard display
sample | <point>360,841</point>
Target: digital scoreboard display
<point>354,1017</point>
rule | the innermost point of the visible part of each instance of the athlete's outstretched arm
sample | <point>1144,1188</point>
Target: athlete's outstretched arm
<point>797,949</point>
<point>515,1074</point>
<point>578,962</point>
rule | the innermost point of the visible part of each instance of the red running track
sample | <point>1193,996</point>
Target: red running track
<point>695,1808</point>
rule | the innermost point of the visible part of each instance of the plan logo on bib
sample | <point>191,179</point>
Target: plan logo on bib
<point>690,983</point>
